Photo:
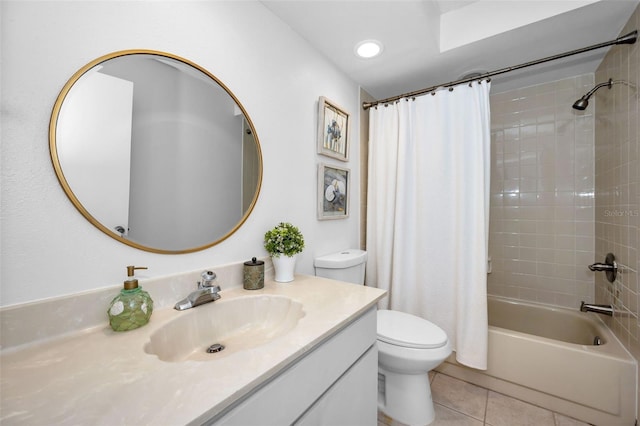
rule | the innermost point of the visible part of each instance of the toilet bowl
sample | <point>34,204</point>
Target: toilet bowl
<point>408,347</point>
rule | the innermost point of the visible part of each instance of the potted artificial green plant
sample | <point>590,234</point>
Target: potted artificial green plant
<point>283,243</point>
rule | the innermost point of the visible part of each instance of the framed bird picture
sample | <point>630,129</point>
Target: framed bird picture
<point>333,130</point>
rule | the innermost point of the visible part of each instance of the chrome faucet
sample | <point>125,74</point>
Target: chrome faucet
<point>207,292</point>
<point>600,309</point>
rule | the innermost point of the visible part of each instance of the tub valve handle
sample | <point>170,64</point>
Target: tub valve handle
<point>610,267</point>
<point>601,267</point>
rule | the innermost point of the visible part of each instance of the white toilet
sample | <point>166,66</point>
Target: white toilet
<point>408,347</point>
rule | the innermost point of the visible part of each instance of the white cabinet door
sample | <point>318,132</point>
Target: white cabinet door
<point>352,400</point>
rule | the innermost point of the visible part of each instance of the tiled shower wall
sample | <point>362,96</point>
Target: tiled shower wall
<point>617,190</point>
<point>542,194</point>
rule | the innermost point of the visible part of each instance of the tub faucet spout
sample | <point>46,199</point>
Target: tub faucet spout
<point>600,309</point>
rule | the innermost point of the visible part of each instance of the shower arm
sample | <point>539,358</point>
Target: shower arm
<point>629,38</point>
<point>592,91</point>
<point>609,83</point>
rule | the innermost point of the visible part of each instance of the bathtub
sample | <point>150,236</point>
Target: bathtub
<point>546,356</point>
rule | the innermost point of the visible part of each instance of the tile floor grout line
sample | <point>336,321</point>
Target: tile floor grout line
<point>486,408</point>
<point>458,411</point>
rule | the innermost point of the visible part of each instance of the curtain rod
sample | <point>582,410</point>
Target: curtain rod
<point>625,39</point>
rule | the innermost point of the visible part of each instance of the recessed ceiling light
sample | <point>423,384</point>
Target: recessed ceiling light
<point>368,48</point>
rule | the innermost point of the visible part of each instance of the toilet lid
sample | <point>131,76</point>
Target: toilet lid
<point>410,331</point>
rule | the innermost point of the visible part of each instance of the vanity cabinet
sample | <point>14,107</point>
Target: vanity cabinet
<point>334,383</point>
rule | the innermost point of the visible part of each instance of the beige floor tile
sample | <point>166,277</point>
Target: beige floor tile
<point>459,395</point>
<point>457,403</point>
<point>505,411</point>
<point>447,417</point>
<point>568,421</point>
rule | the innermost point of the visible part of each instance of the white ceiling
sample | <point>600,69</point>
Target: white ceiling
<point>411,33</point>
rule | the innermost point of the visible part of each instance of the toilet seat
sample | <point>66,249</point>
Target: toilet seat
<point>409,331</point>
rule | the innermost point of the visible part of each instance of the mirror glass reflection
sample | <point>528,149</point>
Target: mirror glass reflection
<point>155,151</point>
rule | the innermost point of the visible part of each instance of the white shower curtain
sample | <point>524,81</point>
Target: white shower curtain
<point>428,212</point>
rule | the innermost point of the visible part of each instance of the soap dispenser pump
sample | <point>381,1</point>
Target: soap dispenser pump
<point>131,308</point>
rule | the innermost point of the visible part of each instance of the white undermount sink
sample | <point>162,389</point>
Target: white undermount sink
<point>237,324</point>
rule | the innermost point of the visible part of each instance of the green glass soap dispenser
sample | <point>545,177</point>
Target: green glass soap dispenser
<point>132,308</point>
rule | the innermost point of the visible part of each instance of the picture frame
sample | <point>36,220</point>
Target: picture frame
<point>333,192</point>
<point>333,130</point>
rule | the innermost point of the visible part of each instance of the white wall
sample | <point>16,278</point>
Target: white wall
<point>48,249</point>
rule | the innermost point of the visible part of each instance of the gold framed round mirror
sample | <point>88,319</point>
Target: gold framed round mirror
<point>155,151</point>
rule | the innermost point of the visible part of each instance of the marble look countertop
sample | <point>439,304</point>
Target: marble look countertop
<point>99,377</point>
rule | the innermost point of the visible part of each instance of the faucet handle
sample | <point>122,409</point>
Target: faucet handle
<point>208,277</point>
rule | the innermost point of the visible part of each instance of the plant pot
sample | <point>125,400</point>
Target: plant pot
<point>284,267</point>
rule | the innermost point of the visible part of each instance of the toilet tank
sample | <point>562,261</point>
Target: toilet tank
<point>346,265</point>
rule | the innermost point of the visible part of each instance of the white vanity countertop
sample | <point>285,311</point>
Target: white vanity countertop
<point>101,377</point>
